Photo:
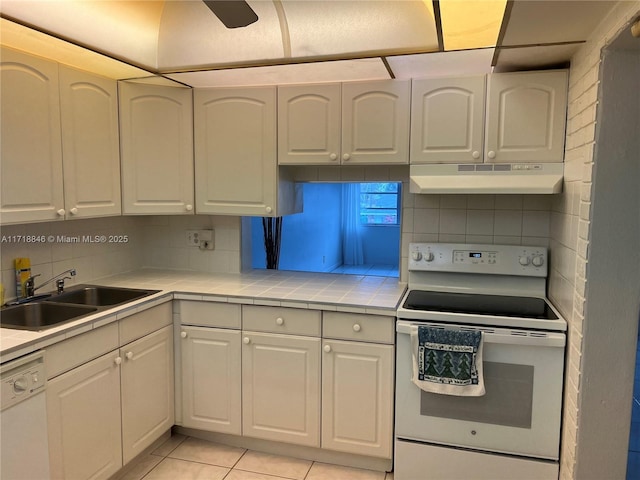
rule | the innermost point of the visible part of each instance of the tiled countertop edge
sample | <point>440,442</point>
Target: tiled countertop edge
<point>21,342</point>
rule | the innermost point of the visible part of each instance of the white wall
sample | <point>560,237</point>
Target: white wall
<point>91,260</point>
<point>589,448</point>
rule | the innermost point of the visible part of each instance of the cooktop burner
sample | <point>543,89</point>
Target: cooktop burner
<point>477,304</point>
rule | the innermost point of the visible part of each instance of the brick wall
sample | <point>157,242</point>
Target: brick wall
<point>571,213</point>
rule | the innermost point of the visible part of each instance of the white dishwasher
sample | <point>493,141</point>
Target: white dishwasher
<point>24,450</point>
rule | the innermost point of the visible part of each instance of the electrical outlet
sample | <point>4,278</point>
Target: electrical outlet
<point>206,239</point>
<point>193,238</point>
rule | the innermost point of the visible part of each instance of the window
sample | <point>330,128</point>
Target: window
<point>379,203</point>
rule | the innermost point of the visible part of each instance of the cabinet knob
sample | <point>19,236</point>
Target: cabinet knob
<point>61,212</point>
<point>333,156</point>
<point>356,327</point>
<point>327,348</point>
<point>246,340</point>
<point>118,360</point>
<point>129,355</point>
<point>475,154</point>
<point>280,321</point>
<point>73,211</point>
<point>491,154</point>
<point>346,157</point>
<point>189,208</point>
<point>268,209</point>
<point>183,334</point>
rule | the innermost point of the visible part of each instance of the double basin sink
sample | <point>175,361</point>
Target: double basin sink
<point>65,307</point>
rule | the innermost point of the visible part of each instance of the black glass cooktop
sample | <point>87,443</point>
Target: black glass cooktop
<point>476,304</point>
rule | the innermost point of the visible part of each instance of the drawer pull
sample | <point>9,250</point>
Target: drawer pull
<point>246,340</point>
<point>118,360</point>
<point>327,348</point>
<point>129,355</point>
<point>279,321</point>
<point>356,327</point>
<point>183,334</point>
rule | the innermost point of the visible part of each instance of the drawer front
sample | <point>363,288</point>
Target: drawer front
<point>210,314</point>
<point>359,327</point>
<point>145,322</point>
<point>63,356</point>
<point>291,321</point>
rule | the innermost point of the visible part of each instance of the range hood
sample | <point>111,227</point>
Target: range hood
<point>505,178</point>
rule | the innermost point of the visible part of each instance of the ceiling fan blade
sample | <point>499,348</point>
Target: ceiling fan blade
<point>233,13</point>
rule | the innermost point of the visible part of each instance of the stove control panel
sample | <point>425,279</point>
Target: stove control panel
<point>468,258</point>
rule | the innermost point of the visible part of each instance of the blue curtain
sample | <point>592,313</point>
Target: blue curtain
<point>351,241</point>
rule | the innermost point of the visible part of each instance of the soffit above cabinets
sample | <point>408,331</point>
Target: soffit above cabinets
<point>298,41</point>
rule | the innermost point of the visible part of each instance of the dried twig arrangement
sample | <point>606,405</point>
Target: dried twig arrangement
<point>272,228</point>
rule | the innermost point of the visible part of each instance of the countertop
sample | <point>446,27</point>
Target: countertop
<point>319,291</point>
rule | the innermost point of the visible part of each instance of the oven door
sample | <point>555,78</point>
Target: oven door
<point>520,412</point>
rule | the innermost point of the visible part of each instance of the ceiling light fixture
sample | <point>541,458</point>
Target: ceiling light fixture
<point>468,24</point>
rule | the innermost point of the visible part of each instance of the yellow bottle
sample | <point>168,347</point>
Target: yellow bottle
<point>1,294</point>
<point>23,272</point>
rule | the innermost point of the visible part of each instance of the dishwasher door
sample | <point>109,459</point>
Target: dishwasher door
<point>24,451</point>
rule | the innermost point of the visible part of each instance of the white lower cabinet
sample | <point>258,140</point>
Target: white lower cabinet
<point>147,391</point>
<point>211,383</point>
<point>102,412</point>
<point>357,398</point>
<point>83,410</point>
<point>281,388</point>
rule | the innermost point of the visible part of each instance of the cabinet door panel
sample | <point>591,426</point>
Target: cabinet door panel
<point>83,409</point>
<point>447,119</point>
<point>235,151</point>
<point>375,122</point>
<point>147,391</point>
<point>357,398</point>
<point>211,380</point>
<point>156,130</point>
<point>526,115</point>
<point>91,146</point>
<point>281,388</point>
<point>309,128</point>
<point>31,152</point>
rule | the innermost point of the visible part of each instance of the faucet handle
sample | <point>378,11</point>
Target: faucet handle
<point>29,285</point>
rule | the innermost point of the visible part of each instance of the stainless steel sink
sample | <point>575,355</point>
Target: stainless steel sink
<point>41,315</point>
<point>100,296</point>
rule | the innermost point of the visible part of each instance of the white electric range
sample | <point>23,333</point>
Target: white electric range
<point>513,430</point>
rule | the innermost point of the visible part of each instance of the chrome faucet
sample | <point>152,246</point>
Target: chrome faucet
<point>30,288</point>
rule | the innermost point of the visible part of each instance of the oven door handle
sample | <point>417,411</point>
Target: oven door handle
<point>501,336</point>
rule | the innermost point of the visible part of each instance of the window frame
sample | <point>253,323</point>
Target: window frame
<point>397,208</point>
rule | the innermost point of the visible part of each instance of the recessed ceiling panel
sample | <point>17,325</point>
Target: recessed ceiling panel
<point>535,58</point>
<point>335,27</point>
<point>535,22</point>
<point>30,41</point>
<point>123,29</point>
<point>471,23</point>
<point>317,72</point>
<point>464,62</point>
<point>191,36</point>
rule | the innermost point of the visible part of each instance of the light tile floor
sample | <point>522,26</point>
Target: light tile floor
<point>188,458</point>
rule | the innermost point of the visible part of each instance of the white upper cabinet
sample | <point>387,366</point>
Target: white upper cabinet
<point>375,122</point>
<point>235,151</point>
<point>156,136</point>
<point>355,123</point>
<point>90,144</point>
<point>447,120</point>
<point>526,116</point>
<point>309,124</point>
<point>520,118</point>
<point>31,152</point>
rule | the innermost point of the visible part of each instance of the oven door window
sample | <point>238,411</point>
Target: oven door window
<point>506,385</point>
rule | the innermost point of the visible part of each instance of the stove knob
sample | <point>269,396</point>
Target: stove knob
<point>524,261</point>
<point>428,257</point>
<point>416,256</point>
<point>537,261</point>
